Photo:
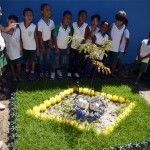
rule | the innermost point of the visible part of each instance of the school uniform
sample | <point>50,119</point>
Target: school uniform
<point>144,51</point>
<point>46,29</point>
<point>13,46</point>
<point>28,39</point>
<point>76,59</point>
<point>116,35</point>
<point>61,34</point>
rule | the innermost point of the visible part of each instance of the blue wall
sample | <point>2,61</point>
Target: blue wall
<point>138,14</point>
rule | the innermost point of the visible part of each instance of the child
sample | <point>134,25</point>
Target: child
<point>61,32</point>
<point>13,49</point>
<point>80,29</point>
<point>116,34</point>
<point>142,59</point>
<point>45,28</point>
<point>30,41</point>
<point>95,19</point>
<point>124,45</point>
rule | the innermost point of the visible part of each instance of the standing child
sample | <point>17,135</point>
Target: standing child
<point>81,30</point>
<point>61,32</point>
<point>13,49</point>
<point>30,42</point>
<point>95,19</point>
<point>116,34</point>
<point>45,28</point>
<point>124,45</point>
<point>142,59</point>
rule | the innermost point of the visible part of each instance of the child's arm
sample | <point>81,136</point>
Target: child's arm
<point>5,52</point>
<point>41,42</point>
<point>21,46</point>
<point>6,29</point>
<point>139,57</point>
<point>126,46</point>
<point>69,44</point>
<point>37,42</point>
<point>87,34</point>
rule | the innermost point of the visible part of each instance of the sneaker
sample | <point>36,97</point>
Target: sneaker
<point>52,76</point>
<point>69,74</point>
<point>77,75</point>
<point>46,74</point>
<point>32,77</point>
<point>2,107</point>
<point>42,75</point>
<point>59,73</point>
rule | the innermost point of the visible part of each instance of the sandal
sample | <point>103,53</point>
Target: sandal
<point>5,90</point>
<point>2,96</point>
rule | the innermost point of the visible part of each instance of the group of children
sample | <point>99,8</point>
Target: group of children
<point>48,43</point>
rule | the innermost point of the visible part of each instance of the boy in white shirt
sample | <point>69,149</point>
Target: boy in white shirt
<point>124,45</point>
<point>45,28</point>
<point>61,32</point>
<point>142,59</point>
<point>116,33</point>
<point>30,42</point>
<point>13,49</point>
<point>81,29</point>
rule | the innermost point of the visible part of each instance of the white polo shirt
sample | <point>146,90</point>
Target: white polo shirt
<point>100,39</point>
<point>116,35</point>
<point>126,36</point>
<point>46,28</point>
<point>61,35</point>
<point>80,32</point>
<point>13,44</point>
<point>2,43</point>
<point>27,35</point>
<point>145,50</point>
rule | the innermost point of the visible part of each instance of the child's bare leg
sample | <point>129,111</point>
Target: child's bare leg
<point>13,72</point>
<point>33,66</point>
<point>27,65</point>
<point>113,68</point>
<point>138,76</point>
<point>19,71</point>
<point>118,64</point>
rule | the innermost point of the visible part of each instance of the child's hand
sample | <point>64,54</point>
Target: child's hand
<point>57,51</point>
<point>7,57</point>
<point>13,25</point>
<point>68,50</point>
<point>50,44</point>
<point>21,53</point>
<point>139,59</point>
<point>44,51</point>
<point>38,52</point>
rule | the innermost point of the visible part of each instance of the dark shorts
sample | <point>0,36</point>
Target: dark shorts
<point>120,55</point>
<point>141,67</point>
<point>15,62</point>
<point>29,55</point>
<point>111,58</point>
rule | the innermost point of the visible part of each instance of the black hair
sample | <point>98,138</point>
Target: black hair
<point>121,15</point>
<point>27,9</point>
<point>125,22</point>
<point>43,6</point>
<point>82,11</point>
<point>96,16</point>
<point>67,12</point>
<point>14,17</point>
<point>103,22</point>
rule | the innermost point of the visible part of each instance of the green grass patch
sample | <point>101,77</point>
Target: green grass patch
<point>36,134</point>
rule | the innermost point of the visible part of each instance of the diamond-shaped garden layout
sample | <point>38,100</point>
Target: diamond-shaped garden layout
<point>85,109</point>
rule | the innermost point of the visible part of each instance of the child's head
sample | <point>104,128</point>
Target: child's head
<point>95,19</point>
<point>28,15</point>
<point>45,10</point>
<point>82,16</point>
<point>104,27</point>
<point>120,18</point>
<point>125,22</point>
<point>12,19</point>
<point>67,16</point>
